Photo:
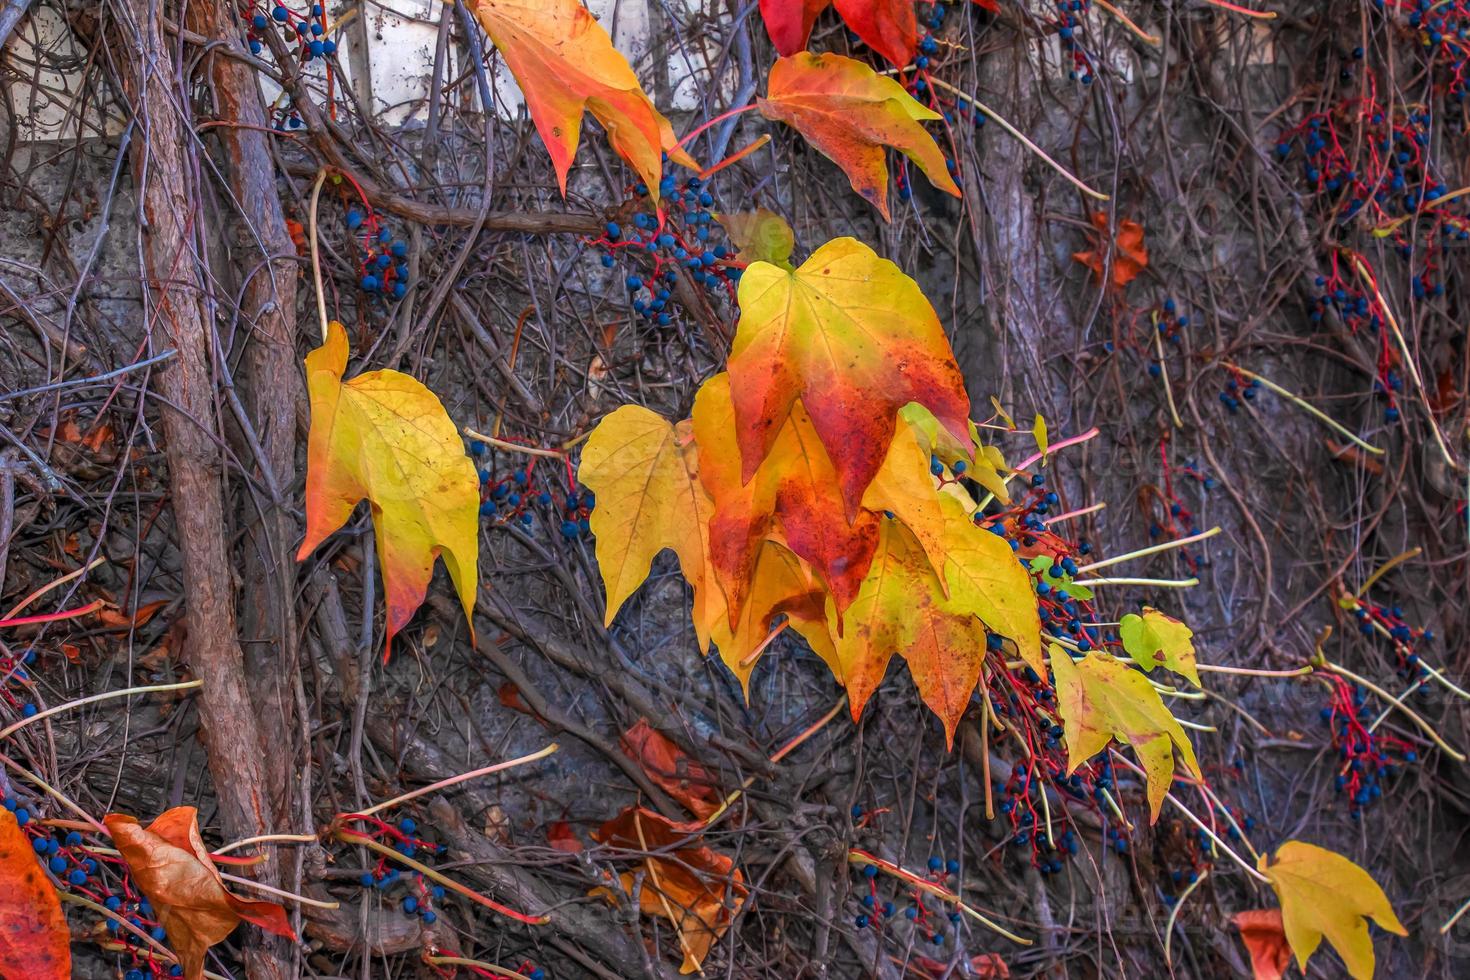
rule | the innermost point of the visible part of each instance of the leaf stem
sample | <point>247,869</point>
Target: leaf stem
<point>499,971</point>
<point>1164,372</point>
<point>105,695</point>
<point>1163,583</point>
<point>316,259</point>
<point>513,446</point>
<point>1179,902</point>
<point>1258,14</point>
<point>1413,716</point>
<point>1140,32</point>
<point>1386,567</point>
<point>455,780</point>
<point>19,606</point>
<point>279,893</point>
<point>266,839</point>
<point>1151,550</point>
<point>729,114</point>
<point>855,856</point>
<point>1308,407</point>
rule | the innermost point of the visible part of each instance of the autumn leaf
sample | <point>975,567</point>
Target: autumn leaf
<point>850,113</point>
<point>645,473</point>
<point>1322,894</point>
<point>902,608</point>
<point>1099,699</point>
<point>887,26</point>
<point>34,941</point>
<point>781,585</point>
<point>565,64</point>
<point>1155,640</point>
<point>855,340</point>
<point>171,866</point>
<point>793,492</point>
<point>1130,257</point>
<point>695,887</point>
<point>671,768</point>
<point>986,579</point>
<point>561,837</point>
<point>1265,940</point>
<point>385,437</point>
<point>760,236</point>
<point>984,464</point>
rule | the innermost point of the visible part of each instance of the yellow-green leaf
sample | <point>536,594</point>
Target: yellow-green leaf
<point>1155,640</point>
<point>761,235</point>
<point>1000,410</point>
<point>985,578</point>
<point>1099,699</point>
<point>384,437</point>
<point>1322,893</point>
<point>646,477</point>
<point>1038,431</point>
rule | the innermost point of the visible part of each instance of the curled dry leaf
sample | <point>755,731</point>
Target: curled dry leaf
<point>671,768</point>
<point>695,887</point>
<point>171,866</point>
<point>1130,257</point>
<point>1265,940</point>
<point>384,437</point>
<point>851,113</point>
<point>34,941</point>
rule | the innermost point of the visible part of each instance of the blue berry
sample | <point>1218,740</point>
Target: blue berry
<point>410,905</point>
<point>280,14</point>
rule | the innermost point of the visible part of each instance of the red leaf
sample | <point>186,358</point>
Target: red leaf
<point>562,837</point>
<point>789,22</point>
<point>1129,258</point>
<point>671,768</point>
<point>34,941</point>
<point>1265,940</point>
<point>887,26</point>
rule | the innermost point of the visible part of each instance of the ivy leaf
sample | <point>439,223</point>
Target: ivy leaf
<point>645,474</point>
<point>695,887</point>
<point>1100,699</point>
<point>781,585</point>
<point>34,941</point>
<point>384,437</point>
<point>854,339</point>
<point>1130,257</point>
<point>1265,940</point>
<point>850,113</point>
<point>1322,893</point>
<point>671,768</point>
<point>793,491</point>
<point>983,464</point>
<point>1038,432</point>
<point>887,26</point>
<point>1041,565</point>
<point>760,236</point>
<point>171,866</point>
<point>902,608</point>
<point>565,63</point>
<point>1154,640</point>
<point>986,579</point>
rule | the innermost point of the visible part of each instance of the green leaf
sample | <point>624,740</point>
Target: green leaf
<point>1155,640</point>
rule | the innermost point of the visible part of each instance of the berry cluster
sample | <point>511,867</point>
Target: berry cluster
<point>877,911</point>
<point>675,235</point>
<point>510,498</point>
<point>1357,310</point>
<point>1444,32</point>
<point>1363,762</point>
<point>384,262</point>
<point>420,893</point>
<point>308,30</point>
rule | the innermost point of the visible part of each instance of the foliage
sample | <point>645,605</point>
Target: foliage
<point>34,941</point>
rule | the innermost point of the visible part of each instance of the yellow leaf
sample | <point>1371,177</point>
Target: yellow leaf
<point>386,438</point>
<point>1100,699</point>
<point>987,579</point>
<point>760,236</point>
<point>781,585</point>
<point>1155,640</point>
<point>1324,894</point>
<point>1004,416</point>
<point>645,474</point>
<point>1038,431</point>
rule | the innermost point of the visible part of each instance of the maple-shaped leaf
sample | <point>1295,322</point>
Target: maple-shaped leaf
<point>850,113</point>
<point>1130,257</point>
<point>1265,940</point>
<point>565,63</point>
<point>384,437</point>
<point>1099,699</point>
<point>695,887</point>
<point>34,941</point>
<point>986,579</point>
<point>761,235</point>
<point>887,26</point>
<point>645,474</point>
<point>855,340</point>
<point>781,584</point>
<point>671,768</point>
<point>1322,893</point>
<point>1155,640</point>
<point>793,492</point>
<point>901,608</point>
<point>171,867</point>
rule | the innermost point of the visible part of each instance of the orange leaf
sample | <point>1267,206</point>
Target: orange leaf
<point>561,837</point>
<point>850,113</point>
<point>887,26</point>
<point>671,768</point>
<point>117,619</point>
<point>565,63</point>
<point>694,887</point>
<point>852,337</point>
<point>385,437</point>
<point>1265,940</point>
<point>1130,257</point>
<point>795,488</point>
<point>171,866</point>
<point>34,941</point>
